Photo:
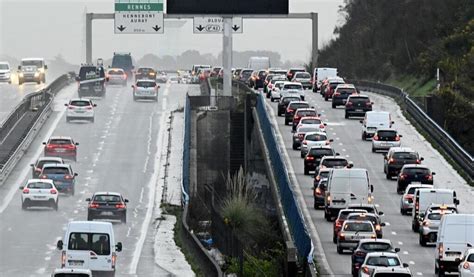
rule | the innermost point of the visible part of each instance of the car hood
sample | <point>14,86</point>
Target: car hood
<point>4,70</point>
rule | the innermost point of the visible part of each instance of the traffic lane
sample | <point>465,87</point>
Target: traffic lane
<point>112,156</point>
<point>324,228</point>
<point>12,94</point>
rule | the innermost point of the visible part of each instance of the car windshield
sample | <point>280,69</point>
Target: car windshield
<point>80,103</point>
<point>115,72</point>
<point>363,217</point>
<point>96,242</point>
<point>37,63</point>
<point>55,170</point>
<point>470,258</point>
<point>416,171</point>
<point>320,152</point>
<point>292,86</point>
<point>376,246</point>
<point>383,261</point>
<point>88,72</point>
<point>303,75</point>
<point>316,137</point>
<point>107,198</point>
<point>307,129</point>
<point>347,91</point>
<point>335,162</point>
<point>4,66</point>
<point>146,84</point>
<point>358,227</point>
<point>311,121</point>
<point>60,141</point>
<point>405,155</point>
<point>299,105</point>
<point>43,162</point>
<point>40,185</point>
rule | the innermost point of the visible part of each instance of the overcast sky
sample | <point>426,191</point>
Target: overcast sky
<point>46,28</point>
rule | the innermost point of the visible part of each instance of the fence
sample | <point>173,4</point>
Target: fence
<point>292,212</point>
<point>186,151</point>
<point>445,142</point>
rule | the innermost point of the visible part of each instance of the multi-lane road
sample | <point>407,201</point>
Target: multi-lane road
<point>119,152</point>
<point>347,141</point>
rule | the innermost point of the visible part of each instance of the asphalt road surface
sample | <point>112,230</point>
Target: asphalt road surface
<point>347,141</point>
<point>116,153</point>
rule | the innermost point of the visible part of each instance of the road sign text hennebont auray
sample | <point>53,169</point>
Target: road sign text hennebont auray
<point>215,25</point>
<point>138,17</point>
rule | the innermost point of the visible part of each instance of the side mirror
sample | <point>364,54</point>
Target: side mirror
<point>77,143</point>
<point>381,213</point>
<point>337,154</point>
<point>75,174</point>
<point>158,86</point>
<point>59,245</point>
<point>382,224</point>
<point>361,121</point>
<point>44,143</point>
<point>350,165</point>
<point>405,265</point>
<point>433,173</point>
<point>422,159</point>
<point>331,140</point>
<point>325,124</point>
<point>457,260</point>
<point>66,105</point>
<point>45,67</point>
<point>22,187</point>
<point>19,67</point>
<point>133,86</point>
<point>392,122</point>
<point>95,105</point>
<point>372,103</point>
<point>397,250</point>
<point>32,165</point>
<point>371,188</point>
<point>118,247</point>
<point>126,200</point>
<point>78,79</point>
<point>456,201</point>
<point>400,136</point>
<point>88,199</point>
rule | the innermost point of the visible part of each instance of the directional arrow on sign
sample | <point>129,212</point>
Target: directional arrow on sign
<point>121,28</point>
<point>235,28</point>
<point>156,28</point>
<point>200,28</point>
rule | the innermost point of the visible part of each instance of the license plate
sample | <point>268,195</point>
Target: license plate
<point>58,182</point>
<point>80,111</point>
<point>76,263</point>
<point>356,237</point>
<point>107,213</point>
<point>359,110</point>
<point>39,197</point>
<point>344,100</point>
<point>60,150</point>
<point>386,144</point>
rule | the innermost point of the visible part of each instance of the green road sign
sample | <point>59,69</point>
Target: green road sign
<point>138,7</point>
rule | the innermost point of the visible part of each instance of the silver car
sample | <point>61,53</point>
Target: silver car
<point>145,89</point>
<point>352,232</point>
<point>313,139</point>
<point>384,139</point>
<point>428,230</point>
<point>406,201</point>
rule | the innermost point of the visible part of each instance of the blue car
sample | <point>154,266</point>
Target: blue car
<point>63,176</point>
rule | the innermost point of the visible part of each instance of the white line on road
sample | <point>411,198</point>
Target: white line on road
<point>411,262</point>
<point>400,243</point>
<point>394,233</point>
<point>419,273</point>
<point>405,252</point>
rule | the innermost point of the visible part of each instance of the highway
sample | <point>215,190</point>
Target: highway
<point>119,152</point>
<point>347,141</point>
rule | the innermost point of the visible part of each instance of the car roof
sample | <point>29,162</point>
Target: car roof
<point>334,157</point>
<point>401,149</point>
<point>415,166</point>
<point>359,95</point>
<point>115,69</point>
<point>32,59</point>
<point>50,159</point>
<point>321,147</point>
<point>345,86</point>
<point>362,205</point>
<point>145,80</point>
<point>305,109</point>
<point>357,221</point>
<point>375,240</point>
<point>60,137</point>
<point>107,193</point>
<point>297,102</point>
<point>40,181</point>
<point>419,186</point>
<point>88,226</point>
<point>378,254</point>
<point>292,83</point>
<point>365,213</point>
<point>316,133</point>
<point>80,99</point>
<point>73,270</point>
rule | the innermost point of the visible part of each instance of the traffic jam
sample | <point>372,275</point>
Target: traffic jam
<point>344,193</point>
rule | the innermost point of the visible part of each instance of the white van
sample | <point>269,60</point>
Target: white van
<point>259,63</point>
<point>90,245</point>
<point>321,73</point>
<point>374,120</point>
<point>424,197</point>
<point>71,272</point>
<point>344,187</point>
<point>455,236</point>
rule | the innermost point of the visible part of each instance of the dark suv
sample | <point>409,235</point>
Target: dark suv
<point>314,156</point>
<point>123,61</point>
<point>91,81</point>
<point>284,101</point>
<point>341,93</point>
<point>260,79</point>
<point>358,105</point>
<point>397,157</point>
<point>413,173</point>
<point>291,109</point>
<point>107,205</point>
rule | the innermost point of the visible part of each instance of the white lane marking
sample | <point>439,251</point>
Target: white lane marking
<point>400,243</point>
<point>47,258</point>
<point>151,193</point>
<point>128,232</point>
<point>419,273</point>
<point>337,138</point>
<point>387,223</point>
<point>333,134</point>
<point>41,271</point>
<point>394,233</point>
<point>343,150</point>
<point>335,123</point>
<point>411,262</point>
<point>23,175</point>
<point>150,137</point>
<point>405,252</point>
<point>340,143</point>
<point>163,107</point>
<point>141,195</point>
<point>305,210</point>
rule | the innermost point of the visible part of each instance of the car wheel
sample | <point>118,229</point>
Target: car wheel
<point>124,218</point>
<point>55,205</point>
<point>327,216</point>
<point>286,122</point>
<point>92,120</point>
<point>302,155</point>
<point>38,81</point>
<point>279,113</point>
<point>306,171</point>
<point>373,149</point>
<point>295,147</point>
<point>339,250</point>
<point>334,238</point>
<point>346,115</point>
<point>413,228</point>
<point>364,136</point>
<point>89,217</point>
<point>422,241</point>
<point>441,273</point>
<point>388,176</point>
<point>402,211</point>
<point>271,99</point>
<point>24,205</point>
<point>333,105</point>
<point>326,98</point>
<point>73,191</point>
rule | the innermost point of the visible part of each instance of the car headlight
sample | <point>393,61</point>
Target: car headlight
<point>21,74</point>
<point>37,74</point>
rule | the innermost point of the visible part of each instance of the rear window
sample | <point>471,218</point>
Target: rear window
<point>299,105</point>
<point>303,75</point>
<point>306,113</point>
<point>305,130</point>
<point>359,99</point>
<point>405,155</point>
<point>470,258</point>
<point>122,61</point>
<point>40,185</point>
<point>335,162</point>
<point>387,134</point>
<point>311,121</point>
<point>358,227</point>
<point>144,70</point>
<point>80,103</point>
<point>434,216</point>
<point>376,246</point>
<point>316,137</point>
<point>43,162</point>
<point>115,72</point>
<point>107,198</point>
<point>97,242</point>
<point>60,141</point>
<point>361,217</point>
<point>146,84</point>
<point>320,152</point>
<point>290,99</point>
<point>416,171</point>
<point>56,170</point>
<point>88,72</point>
<point>383,261</point>
<point>346,91</point>
<point>293,86</point>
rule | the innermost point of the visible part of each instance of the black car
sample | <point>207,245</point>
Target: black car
<point>91,81</point>
<point>283,104</point>
<point>357,105</point>
<point>145,73</point>
<point>107,205</point>
<point>260,80</point>
<point>341,93</point>
<point>320,193</point>
<point>291,109</point>
<point>366,246</point>
<point>396,158</point>
<point>413,173</point>
<point>314,156</point>
<point>123,61</point>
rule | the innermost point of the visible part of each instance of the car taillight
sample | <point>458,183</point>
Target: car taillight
<point>43,176</point>
<point>93,205</point>
<point>373,236</point>
<point>418,161</point>
<point>26,190</point>
<point>365,270</point>
<point>124,76</point>
<point>70,146</point>
<point>403,176</point>
<point>68,177</point>
<point>368,104</point>
<point>377,227</point>
<point>391,161</point>
<point>466,265</point>
<point>339,223</point>
<point>49,146</point>
<point>289,110</point>
<point>301,136</point>
<point>342,236</point>
<point>37,169</point>
<point>114,259</point>
<point>309,158</point>
<point>317,191</point>
<point>429,177</point>
<point>337,94</point>
<point>397,138</point>
<point>321,126</point>
<point>63,259</point>
<point>328,198</point>
<point>89,107</point>
<point>296,117</point>
<point>440,250</point>
<point>71,107</point>
<point>53,191</point>
<point>375,137</point>
<point>408,197</point>
<point>305,142</point>
<point>317,178</point>
<point>327,142</point>
<point>120,206</point>
<point>349,103</point>
<point>426,223</point>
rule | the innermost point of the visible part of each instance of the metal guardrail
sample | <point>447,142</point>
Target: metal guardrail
<point>38,106</point>
<point>186,153</point>
<point>445,142</point>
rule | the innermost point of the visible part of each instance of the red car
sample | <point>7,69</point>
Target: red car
<point>331,87</point>
<point>63,147</point>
